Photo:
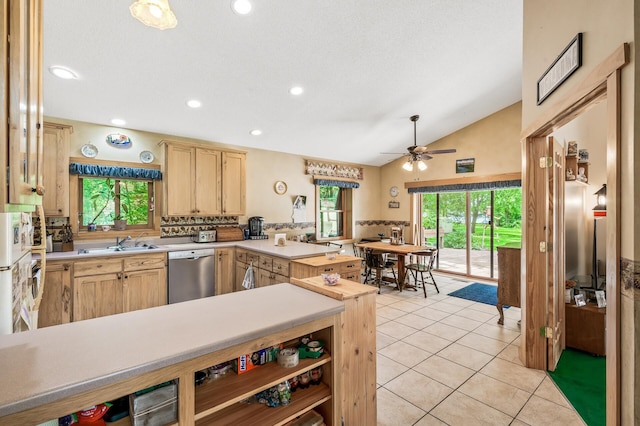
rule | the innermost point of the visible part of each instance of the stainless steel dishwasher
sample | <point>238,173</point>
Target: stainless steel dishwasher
<point>191,275</point>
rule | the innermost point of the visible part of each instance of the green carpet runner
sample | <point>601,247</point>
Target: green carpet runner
<point>582,379</point>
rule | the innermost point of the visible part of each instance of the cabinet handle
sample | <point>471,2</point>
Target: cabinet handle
<point>351,266</point>
<point>328,269</point>
<point>39,189</point>
<point>119,275</point>
<point>66,266</point>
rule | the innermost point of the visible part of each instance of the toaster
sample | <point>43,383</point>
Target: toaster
<point>206,236</point>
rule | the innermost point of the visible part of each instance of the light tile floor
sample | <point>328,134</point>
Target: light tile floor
<point>446,361</point>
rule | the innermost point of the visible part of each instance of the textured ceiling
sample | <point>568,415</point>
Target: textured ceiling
<point>366,67</point>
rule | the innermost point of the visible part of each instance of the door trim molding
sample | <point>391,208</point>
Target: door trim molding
<point>603,82</point>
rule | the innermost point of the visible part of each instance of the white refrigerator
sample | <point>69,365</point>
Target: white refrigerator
<point>15,272</point>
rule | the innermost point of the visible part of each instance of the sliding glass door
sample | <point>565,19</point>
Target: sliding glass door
<point>468,226</point>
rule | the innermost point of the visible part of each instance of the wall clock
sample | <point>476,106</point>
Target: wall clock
<point>89,150</point>
<point>394,191</point>
<point>146,156</point>
<point>280,187</point>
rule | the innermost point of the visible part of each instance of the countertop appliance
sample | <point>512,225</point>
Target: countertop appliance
<point>205,237</point>
<point>256,228</point>
<point>15,270</point>
<point>190,275</point>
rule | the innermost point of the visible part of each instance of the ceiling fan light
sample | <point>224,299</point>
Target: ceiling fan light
<point>154,13</point>
<point>422,166</point>
<point>408,166</point>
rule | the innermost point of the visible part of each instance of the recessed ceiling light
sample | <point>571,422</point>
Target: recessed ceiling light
<point>62,72</point>
<point>241,7</point>
<point>256,132</point>
<point>118,122</point>
<point>296,90</point>
<point>194,103</point>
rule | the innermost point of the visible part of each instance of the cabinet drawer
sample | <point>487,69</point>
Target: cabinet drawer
<point>96,266</point>
<point>253,258</point>
<point>350,266</point>
<point>139,263</point>
<point>351,276</point>
<point>241,256</point>
<point>266,263</point>
<point>281,267</point>
<point>328,269</point>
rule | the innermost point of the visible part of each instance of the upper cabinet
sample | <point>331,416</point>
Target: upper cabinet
<point>55,169</point>
<point>21,106</point>
<point>234,183</point>
<point>202,181</point>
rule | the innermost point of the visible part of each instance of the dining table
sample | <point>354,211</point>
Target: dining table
<point>400,249</point>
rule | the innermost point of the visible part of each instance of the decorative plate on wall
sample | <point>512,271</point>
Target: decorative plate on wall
<point>118,140</point>
<point>280,187</point>
<point>89,150</point>
<point>146,156</point>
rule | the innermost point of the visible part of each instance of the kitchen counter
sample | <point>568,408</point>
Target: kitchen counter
<point>293,249</point>
<point>46,365</point>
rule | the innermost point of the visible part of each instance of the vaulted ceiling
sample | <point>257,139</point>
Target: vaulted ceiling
<point>366,66</point>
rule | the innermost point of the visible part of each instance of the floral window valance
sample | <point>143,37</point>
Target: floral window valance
<point>338,183</point>
<point>333,170</point>
<point>114,171</point>
<point>479,186</point>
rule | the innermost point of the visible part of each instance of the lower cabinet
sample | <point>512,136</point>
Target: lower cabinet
<point>107,286</point>
<point>225,270</point>
<point>267,270</point>
<point>56,305</point>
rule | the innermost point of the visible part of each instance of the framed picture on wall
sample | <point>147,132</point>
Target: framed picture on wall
<point>465,165</point>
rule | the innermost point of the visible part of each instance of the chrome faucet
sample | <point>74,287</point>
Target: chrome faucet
<point>120,242</point>
<point>142,234</point>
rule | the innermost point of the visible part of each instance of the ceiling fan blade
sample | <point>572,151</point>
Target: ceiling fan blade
<point>426,157</point>
<point>439,151</point>
<point>395,153</point>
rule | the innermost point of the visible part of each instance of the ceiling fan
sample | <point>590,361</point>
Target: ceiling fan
<point>417,153</point>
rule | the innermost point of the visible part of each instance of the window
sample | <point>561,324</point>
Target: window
<point>333,212</point>
<point>104,199</point>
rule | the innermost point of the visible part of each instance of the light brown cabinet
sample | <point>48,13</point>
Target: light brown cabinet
<point>225,270</point>
<point>267,270</point>
<point>234,183</point>
<point>202,181</point>
<point>21,105</point>
<point>56,306</point>
<point>55,169</point>
<point>347,266</point>
<point>508,278</point>
<point>107,286</point>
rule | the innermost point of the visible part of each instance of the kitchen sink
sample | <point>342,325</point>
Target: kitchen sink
<point>104,250</point>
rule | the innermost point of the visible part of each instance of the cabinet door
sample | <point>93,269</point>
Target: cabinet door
<point>263,277</point>
<point>207,182</point>
<point>24,94</point>
<point>55,308</point>
<point>97,296</point>
<point>225,271</point>
<point>180,178</point>
<point>55,170</point>
<point>234,183</point>
<point>144,289</point>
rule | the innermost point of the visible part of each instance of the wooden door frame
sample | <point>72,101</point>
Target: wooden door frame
<point>603,82</point>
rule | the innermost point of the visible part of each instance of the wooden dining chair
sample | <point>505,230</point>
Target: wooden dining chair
<point>375,262</point>
<point>421,262</point>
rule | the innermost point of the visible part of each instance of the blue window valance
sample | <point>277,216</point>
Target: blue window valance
<point>114,171</point>
<point>458,187</point>
<point>338,183</point>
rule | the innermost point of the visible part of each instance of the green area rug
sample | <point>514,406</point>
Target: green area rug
<point>581,377</point>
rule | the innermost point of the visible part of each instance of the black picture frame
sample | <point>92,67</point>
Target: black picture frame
<point>465,165</point>
<point>561,69</point>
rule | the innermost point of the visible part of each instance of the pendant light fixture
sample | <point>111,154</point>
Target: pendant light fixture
<point>154,13</point>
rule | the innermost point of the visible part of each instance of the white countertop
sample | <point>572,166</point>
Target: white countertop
<point>41,366</point>
<point>293,249</point>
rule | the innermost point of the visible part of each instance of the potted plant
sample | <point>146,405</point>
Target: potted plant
<point>119,222</point>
